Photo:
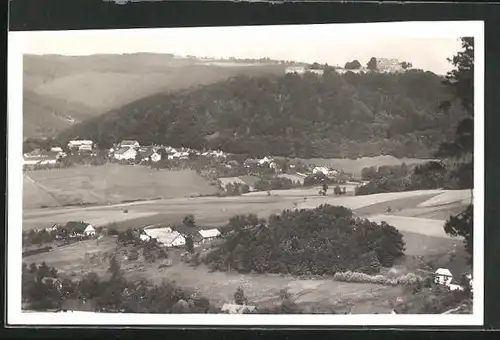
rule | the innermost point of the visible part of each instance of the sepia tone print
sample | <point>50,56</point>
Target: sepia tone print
<point>257,180</point>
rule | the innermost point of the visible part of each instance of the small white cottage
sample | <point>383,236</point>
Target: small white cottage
<point>443,276</point>
<point>89,231</point>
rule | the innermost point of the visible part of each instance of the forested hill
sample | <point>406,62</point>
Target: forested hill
<point>350,115</point>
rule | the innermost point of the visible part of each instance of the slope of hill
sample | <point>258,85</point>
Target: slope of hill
<point>58,86</point>
<point>45,115</point>
<point>300,116</point>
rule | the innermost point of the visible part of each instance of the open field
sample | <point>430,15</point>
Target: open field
<point>413,224</point>
<point>425,242</point>
<point>215,211</point>
<point>462,196</point>
<point>110,183</point>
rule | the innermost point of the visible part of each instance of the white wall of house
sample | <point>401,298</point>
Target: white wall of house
<point>127,155</point>
<point>155,157</point>
<point>443,279</point>
<point>178,241</point>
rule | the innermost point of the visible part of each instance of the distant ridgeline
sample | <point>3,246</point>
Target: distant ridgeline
<point>310,115</point>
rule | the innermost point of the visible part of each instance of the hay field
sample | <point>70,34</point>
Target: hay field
<point>422,226</point>
<point>215,211</point>
<point>94,217</point>
<point>449,197</point>
<point>74,257</point>
<point>110,183</point>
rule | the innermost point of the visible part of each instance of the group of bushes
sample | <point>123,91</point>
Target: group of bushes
<point>275,183</point>
<point>235,189</point>
<point>321,241</point>
<point>43,289</point>
<point>359,277</point>
<point>150,250</point>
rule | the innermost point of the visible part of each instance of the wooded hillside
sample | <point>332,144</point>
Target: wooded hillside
<point>350,115</point>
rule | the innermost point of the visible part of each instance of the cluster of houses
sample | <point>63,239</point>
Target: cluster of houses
<point>384,65</point>
<point>265,161</point>
<point>41,157</point>
<point>129,150</point>
<point>75,229</point>
<point>330,172</point>
<point>176,236</point>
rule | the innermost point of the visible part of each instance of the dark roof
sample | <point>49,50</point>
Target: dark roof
<point>188,231</point>
<point>146,153</point>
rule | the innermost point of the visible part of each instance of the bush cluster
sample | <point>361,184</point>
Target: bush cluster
<point>351,276</point>
<point>321,241</point>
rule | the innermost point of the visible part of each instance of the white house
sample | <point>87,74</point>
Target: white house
<point>89,231</point>
<point>316,71</point>
<point>389,65</point>
<point>42,158</point>
<point>125,154</point>
<point>129,144</point>
<point>295,69</point>
<point>322,169</point>
<point>75,144</point>
<point>209,234</point>
<point>85,147</point>
<point>149,153</point>
<point>155,157</point>
<point>443,276</point>
<point>265,160</point>
<point>56,149</point>
<point>144,237</point>
<point>167,237</point>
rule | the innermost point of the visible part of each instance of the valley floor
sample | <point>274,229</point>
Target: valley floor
<point>424,237</point>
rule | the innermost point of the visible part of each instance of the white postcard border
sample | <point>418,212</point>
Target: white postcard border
<point>15,183</point>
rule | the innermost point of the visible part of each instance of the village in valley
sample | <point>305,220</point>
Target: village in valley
<point>200,220</point>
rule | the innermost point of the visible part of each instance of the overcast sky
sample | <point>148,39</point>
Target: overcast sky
<point>426,47</point>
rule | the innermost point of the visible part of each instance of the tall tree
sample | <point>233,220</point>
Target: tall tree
<point>189,221</point>
<point>461,81</point>
<point>372,64</point>
<point>239,297</point>
<point>189,244</point>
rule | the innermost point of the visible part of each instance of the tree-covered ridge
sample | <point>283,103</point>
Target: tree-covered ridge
<point>350,115</point>
<point>320,241</point>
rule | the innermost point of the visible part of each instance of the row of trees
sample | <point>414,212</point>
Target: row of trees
<point>275,183</point>
<point>321,241</point>
<point>430,175</point>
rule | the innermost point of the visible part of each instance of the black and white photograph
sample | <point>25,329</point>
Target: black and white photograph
<point>249,175</point>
